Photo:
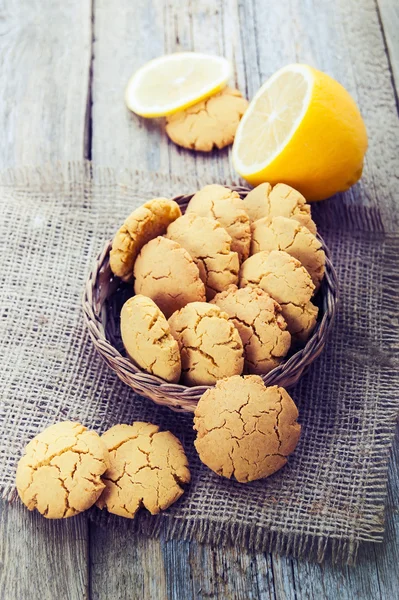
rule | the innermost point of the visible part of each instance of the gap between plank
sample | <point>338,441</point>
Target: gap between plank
<point>384,41</point>
<point>88,135</point>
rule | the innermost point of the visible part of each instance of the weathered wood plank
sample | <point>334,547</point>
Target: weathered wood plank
<point>389,21</point>
<point>45,51</point>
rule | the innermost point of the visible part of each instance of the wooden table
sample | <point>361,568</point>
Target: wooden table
<point>64,66</point>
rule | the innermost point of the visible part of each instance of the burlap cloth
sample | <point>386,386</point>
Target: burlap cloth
<point>331,494</point>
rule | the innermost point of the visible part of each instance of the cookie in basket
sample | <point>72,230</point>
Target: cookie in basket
<point>288,283</point>
<point>147,469</point>
<point>210,345</point>
<point>245,429</point>
<point>145,223</point>
<point>261,326</point>
<point>225,206</point>
<point>211,123</point>
<point>165,272</point>
<point>280,201</point>
<point>60,472</point>
<point>209,245</point>
<point>147,339</point>
<point>289,235</point>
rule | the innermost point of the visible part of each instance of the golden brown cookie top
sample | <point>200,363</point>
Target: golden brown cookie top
<point>225,206</point>
<point>147,338</point>
<point>209,244</point>
<point>143,224</point>
<point>147,468</point>
<point>245,429</point>
<point>165,272</point>
<point>210,345</point>
<point>210,123</point>
<point>289,235</point>
<point>261,326</point>
<point>288,282</point>
<point>60,472</point>
<point>280,201</point>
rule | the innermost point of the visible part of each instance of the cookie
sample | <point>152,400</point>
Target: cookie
<point>281,201</point>
<point>147,338</point>
<point>245,429</point>
<point>262,328</point>
<point>225,206</point>
<point>212,123</point>
<point>147,468</point>
<point>288,283</point>
<point>166,273</point>
<point>60,472</point>
<point>145,223</point>
<point>210,345</point>
<point>289,235</point>
<point>209,244</point>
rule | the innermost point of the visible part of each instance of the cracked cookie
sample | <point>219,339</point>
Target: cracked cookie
<point>261,326</point>
<point>60,472</point>
<point>209,245</point>
<point>245,429</point>
<point>289,235</point>
<point>145,223</point>
<point>225,206</point>
<point>148,468</point>
<point>288,283</point>
<point>166,273</point>
<point>147,338</point>
<point>210,123</point>
<point>210,345</point>
<point>281,201</point>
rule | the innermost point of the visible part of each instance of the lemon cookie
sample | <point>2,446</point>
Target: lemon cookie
<point>225,206</point>
<point>245,429</point>
<point>148,468</point>
<point>146,222</point>
<point>280,201</point>
<point>210,345</point>
<point>60,472</point>
<point>288,283</point>
<point>166,273</point>
<point>259,322</point>
<point>289,235</point>
<point>210,123</point>
<point>209,244</point>
<point>147,338</point>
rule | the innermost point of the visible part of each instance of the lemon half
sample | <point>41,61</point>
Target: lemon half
<point>175,81</point>
<point>304,129</point>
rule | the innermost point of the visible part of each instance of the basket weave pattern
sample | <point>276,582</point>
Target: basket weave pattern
<point>103,324</point>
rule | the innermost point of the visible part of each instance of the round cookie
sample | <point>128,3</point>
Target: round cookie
<point>147,338</point>
<point>288,283</point>
<point>166,273</point>
<point>261,326</point>
<point>210,123</point>
<point>145,223</point>
<point>281,201</point>
<point>60,472</point>
<point>289,235</point>
<point>245,429</point>
<point>209,244</point>
<point>225,206</point>
<point>210,345</point>
<point>147,468</point>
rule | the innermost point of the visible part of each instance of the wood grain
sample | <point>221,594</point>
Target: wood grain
<point>45,51</point>
<point>389,22</point>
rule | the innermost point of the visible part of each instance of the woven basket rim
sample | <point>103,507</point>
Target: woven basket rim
<point>179,396</point>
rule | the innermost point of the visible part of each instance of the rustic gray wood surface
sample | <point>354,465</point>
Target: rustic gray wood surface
<point>63,71</point>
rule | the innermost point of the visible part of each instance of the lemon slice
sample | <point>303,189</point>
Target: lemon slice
<point>173,82</point>
<point>304,129</point>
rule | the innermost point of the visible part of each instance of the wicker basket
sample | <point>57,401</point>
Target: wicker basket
<point>105,294</point>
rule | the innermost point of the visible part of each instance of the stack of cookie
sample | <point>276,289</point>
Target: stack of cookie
<point>224,289</point>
